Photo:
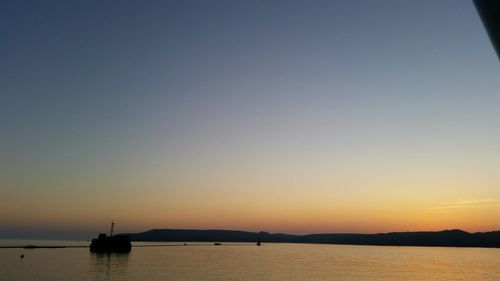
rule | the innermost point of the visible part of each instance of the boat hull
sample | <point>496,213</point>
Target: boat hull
<point>111,244</point>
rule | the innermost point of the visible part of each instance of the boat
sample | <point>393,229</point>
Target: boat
<point>111,243</point>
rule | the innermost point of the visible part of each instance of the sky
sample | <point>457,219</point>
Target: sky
<point>283,116</point>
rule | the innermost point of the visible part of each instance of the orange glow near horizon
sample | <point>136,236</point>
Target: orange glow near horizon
<point>299,216</point>
<point>297,199</point>
<point>285,200</point>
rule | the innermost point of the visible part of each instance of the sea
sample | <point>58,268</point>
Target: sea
<point>240,261</point>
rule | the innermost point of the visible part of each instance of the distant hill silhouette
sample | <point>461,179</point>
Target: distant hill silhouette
<point>446,238</point>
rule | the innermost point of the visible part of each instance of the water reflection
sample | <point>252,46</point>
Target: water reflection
<point>248,263</point>
<point>109,266</point>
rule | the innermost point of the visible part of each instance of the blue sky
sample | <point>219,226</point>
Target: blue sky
<point>172,110</point>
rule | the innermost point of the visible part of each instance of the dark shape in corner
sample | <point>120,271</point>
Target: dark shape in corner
<point>489,11</point>
<point>111,243</point>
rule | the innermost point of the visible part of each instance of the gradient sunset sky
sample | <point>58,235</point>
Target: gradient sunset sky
<point>283,116</point>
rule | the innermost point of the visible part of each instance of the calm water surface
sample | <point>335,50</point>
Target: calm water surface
<point>249,262</point>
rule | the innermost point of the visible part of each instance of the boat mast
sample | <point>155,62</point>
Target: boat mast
<point>112,226</point>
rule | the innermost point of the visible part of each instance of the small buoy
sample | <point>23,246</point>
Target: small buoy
<point>22,256</point>
<point>185,244</point>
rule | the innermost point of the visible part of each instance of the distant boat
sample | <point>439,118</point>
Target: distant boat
<point>111,243</point>
<point>217,244</point>
<point>258,241</point>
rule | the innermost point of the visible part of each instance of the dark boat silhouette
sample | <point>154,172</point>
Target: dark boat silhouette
<point>111,243</point>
